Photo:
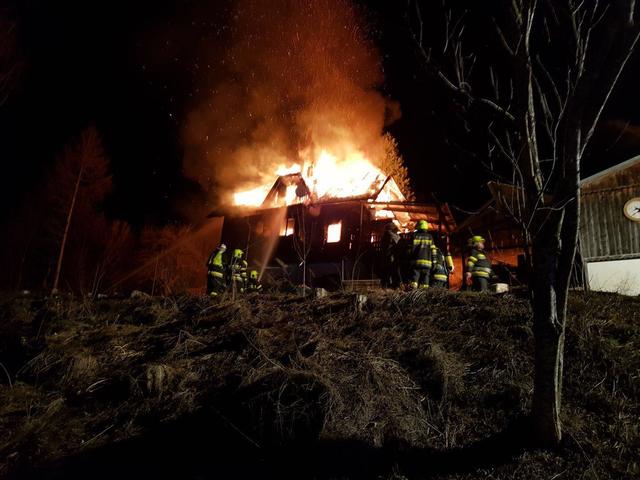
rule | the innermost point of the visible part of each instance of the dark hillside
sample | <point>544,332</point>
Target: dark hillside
<point>401,386</point>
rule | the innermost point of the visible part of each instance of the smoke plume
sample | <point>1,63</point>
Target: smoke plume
<point>298,74</point>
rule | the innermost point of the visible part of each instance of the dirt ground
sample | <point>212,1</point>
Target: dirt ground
<point>402,385</point>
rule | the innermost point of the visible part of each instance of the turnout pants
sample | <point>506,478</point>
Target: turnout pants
<point>215,283</point>
<point>420,276</point>
<point>439,279</point>
<point>238,283</point>
<point>480,284</point>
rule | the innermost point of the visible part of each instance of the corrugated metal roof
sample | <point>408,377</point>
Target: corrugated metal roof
<point>610,171</point>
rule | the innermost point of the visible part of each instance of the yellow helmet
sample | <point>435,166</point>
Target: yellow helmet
<point>237,253</point>
<point>422,225</point>
<point>476,239</point>
<point>254,274</point>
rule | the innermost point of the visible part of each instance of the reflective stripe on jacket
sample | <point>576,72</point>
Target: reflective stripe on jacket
<point>440,270</point>
<point>215,264</point>
<point>421,249</point>
<point>238,269</point>
<point>478,264</point>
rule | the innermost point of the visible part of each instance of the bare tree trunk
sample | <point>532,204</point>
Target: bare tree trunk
<point>548,330</point>
<point>549,296</point>
<point>547,391</point>
<point>554,252</point>
<point>63,244</point>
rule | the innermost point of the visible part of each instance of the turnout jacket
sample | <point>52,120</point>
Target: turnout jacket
<point>238,269</point>
<point>478,264</point>
<point>421,255</point>
<point>253,285</point>
<point>215,265</point>
<point>440,270</point>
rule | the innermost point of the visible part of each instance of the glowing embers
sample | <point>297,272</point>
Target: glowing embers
<point>334,232</point>
<point>288,227</point>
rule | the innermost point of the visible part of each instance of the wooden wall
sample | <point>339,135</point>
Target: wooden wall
<point>605,232</point>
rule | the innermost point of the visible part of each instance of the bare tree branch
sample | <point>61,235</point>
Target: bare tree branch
<point>461,87</point>
<point>556,98</point>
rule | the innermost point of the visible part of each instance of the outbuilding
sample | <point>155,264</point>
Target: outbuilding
<point>610,228</point>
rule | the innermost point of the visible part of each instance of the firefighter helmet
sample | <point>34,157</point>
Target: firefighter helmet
<point>476,239</point>
<point>237,253</point>
<point>254,274</point>
<point>422,225</point>
<point>222,247</point>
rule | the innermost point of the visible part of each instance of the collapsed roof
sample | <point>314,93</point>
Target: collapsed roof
<point>383,197</point>
<point>292,188</point>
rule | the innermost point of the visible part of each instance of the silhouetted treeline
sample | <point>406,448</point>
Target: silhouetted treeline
<point>61,236</point>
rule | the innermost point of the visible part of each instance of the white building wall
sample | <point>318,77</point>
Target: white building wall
<point>621,276</point>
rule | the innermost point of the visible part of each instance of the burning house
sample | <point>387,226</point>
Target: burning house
<point>322,225</point>
<point>289,140</point>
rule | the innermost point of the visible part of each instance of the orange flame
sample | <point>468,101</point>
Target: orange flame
<point>326,174</point>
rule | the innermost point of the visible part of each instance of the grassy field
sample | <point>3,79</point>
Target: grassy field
<point>404,385</point>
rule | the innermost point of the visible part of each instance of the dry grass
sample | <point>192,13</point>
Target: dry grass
<point>426,370</point>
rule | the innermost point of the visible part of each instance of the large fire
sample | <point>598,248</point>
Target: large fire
<point>326,174</point>
<point>255,196</point>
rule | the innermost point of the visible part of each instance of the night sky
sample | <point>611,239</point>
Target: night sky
<point>129,69</point>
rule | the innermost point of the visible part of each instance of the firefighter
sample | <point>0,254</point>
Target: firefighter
<point>216,283</point>
<point>478,265</point>
<point>243,274</point>
<point>441,268</point>
<point>254,285</point>
<point>421,262</point>
<point>237,271</point>
<point>390,256</point>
